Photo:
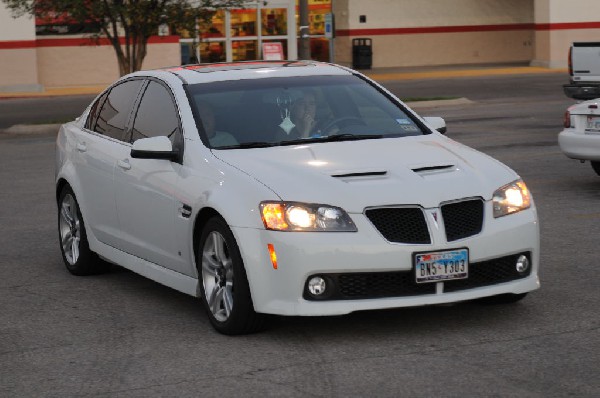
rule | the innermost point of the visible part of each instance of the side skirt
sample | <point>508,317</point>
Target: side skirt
<point>157,273</point>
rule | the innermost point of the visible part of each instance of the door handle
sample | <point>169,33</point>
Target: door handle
<point>124,164</point>
<point>81,147</point>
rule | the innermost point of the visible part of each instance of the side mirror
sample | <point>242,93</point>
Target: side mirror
<point>154,148</point>
<point>436,123</point>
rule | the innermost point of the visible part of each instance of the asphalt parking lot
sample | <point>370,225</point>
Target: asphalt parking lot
<point>119,334</point>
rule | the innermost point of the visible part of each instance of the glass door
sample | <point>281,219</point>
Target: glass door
<point>237,34</point>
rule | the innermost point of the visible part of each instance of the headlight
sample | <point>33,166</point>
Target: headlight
<point>294,216</point>
<point>511,198</point>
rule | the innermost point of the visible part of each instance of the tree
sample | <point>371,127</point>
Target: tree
<point>128,24</point>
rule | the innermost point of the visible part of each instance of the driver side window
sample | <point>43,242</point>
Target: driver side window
<point>157,116</point>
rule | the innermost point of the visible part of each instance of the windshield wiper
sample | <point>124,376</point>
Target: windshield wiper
<point>352,137</point>
<point>333,138</point>
<point>244,145</point>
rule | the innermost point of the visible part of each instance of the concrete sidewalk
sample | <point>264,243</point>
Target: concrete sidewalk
<point>446,72</point>
<point>378,74</point>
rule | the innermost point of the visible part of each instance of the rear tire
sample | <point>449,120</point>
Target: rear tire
<point>224,287</point>
<point>74,246</point>
<point>503,298</point>
<point>596,167</point>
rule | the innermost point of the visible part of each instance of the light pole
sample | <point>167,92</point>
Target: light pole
<point>304,52</point>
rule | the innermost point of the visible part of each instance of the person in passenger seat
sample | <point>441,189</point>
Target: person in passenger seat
<point>216,137</point>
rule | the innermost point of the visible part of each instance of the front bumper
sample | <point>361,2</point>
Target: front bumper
<point>300,255</point>
<point>580,145</point>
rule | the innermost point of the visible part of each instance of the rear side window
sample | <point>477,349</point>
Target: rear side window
<point>112,118</point>
<point>156,115</point>
<point>90,124</point>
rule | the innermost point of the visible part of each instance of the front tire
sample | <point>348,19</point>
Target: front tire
<point>596,167</point>
<point>74,246</point>
<point>225,291</point>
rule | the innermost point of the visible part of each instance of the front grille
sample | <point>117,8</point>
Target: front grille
<point>382,284</point>
<point>400,224</point>
<point>369,285</point>
<point>489,272</point>
<point>462,219</point>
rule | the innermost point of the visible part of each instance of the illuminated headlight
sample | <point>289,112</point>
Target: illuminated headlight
<point>511,198</point>
<point>294,216</point>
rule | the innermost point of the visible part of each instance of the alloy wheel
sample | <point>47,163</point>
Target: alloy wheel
<point>70,229</point>
<point>217,276</point>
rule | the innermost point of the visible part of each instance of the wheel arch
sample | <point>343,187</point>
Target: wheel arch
<point>202,217</point>
<point>60,185</point>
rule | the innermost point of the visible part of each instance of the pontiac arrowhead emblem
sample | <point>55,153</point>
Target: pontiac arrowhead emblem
<point>434,216</point>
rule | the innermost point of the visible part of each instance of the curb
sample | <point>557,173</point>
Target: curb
<point>444,74</point>
<point>54,92</point>
<point>377,75</point>
<point>31,129</point>
<point>436,103</point>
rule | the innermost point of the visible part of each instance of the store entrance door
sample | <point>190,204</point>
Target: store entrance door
<point>238,34</point>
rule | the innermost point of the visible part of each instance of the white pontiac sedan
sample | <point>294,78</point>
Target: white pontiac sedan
<point>580,139</point>
<point>289,188</point>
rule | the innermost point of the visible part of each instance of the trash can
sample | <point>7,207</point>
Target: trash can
<point>362,53</point>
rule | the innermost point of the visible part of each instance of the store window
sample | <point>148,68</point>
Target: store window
<point>215,27</point>
<point>274,21</point>
<point>243,23</point>
<point>245,50</point>
<point>213,51</point>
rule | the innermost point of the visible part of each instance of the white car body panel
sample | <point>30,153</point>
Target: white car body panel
<point>577,141</point>
<point>306,173</point>
<point>232,183</point>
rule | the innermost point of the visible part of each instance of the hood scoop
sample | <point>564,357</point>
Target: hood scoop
<point>426,170</point>
<point>363,174</point>
<point>359,175</point>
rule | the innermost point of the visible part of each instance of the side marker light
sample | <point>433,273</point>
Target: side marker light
<point>273,255</point>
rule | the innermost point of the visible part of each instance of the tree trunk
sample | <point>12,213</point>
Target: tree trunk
<point>141,51</point>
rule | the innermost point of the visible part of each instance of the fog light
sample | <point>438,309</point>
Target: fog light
<point>522,263</point>
<point>316,286</point>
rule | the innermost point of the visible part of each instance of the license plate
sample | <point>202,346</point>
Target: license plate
<point>442,266</point>
<point>593,123</point>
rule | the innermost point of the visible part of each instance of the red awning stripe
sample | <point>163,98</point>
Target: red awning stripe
<point>467,28</point>
<point>17,44</point>
<point>76,42</point>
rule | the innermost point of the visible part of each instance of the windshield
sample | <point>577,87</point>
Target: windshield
<point>286,111</point>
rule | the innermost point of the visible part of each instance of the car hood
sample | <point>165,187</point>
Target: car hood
<point>421,170</point>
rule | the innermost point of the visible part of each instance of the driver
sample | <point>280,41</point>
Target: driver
<point>303,117</point>
<point>303,113</point>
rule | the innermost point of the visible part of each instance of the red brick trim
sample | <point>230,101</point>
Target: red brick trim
<point>467,28</point>
<point>75,42</point>
<point>17,44</point>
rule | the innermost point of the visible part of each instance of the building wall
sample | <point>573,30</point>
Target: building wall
<point>95,65</point>
<point>18,62</point>
<point>437,32</point>
<point>558,24</point>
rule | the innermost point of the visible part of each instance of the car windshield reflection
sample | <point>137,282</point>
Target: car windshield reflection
<point>258,113</point>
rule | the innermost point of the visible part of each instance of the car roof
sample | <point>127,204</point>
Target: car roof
<point>204,73</point>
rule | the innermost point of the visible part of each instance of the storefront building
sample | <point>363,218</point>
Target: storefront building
<point>408,33</point>
<point>403,33</point>
<point>238,34</point>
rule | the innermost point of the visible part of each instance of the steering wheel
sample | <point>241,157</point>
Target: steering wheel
<point>342,122</point>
